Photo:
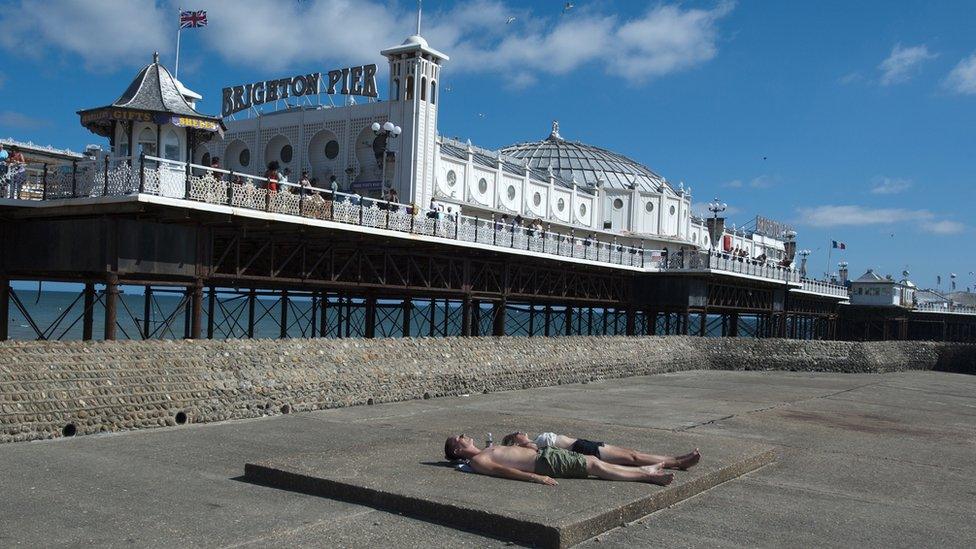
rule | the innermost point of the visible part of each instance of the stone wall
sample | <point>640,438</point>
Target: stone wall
<point>52,389</point>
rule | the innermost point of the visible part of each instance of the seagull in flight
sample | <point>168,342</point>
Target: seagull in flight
<point>481,115</point>
<point>510,20</point>
<point>568,6</point>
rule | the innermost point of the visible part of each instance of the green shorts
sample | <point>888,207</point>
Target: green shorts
<point>559,463</point>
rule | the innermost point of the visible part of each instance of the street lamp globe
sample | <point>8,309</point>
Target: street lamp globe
<point>397,130</point>
<point>376,127</point>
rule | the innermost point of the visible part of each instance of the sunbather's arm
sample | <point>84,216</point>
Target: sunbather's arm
<point>488,467</point>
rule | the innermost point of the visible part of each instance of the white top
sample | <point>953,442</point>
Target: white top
<point>545,440</point>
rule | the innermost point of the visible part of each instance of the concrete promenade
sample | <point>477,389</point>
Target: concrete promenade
<point>863,459</point>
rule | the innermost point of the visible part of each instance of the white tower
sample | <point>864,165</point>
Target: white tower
<point>415,70</point>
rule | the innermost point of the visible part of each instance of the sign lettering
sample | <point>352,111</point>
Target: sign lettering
<point>351,81</point>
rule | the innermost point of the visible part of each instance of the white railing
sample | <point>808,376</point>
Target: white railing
<point>945,308</point>
<point>697,260</point>
<point>824,288</point>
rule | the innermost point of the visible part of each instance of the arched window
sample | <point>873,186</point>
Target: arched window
<point>122,149</point>
<point>171,145</point>
<point>423,88</point>
<point>408,93</point>
<point>147,141</point>
<point>396,89</point>
<point>433,92</point>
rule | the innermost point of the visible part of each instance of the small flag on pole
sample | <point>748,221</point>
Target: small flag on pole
<point>838,245</point>
<point>193,19</point>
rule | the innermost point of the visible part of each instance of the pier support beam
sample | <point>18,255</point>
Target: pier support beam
<point>284,314</point>
<point>369,331</point>
<point>196,318</point>
<point>88,315</point>
<point>466,315</point>
<point>631,326</point>
<point>4,308</point>
<point>569,320</point>
<point>111,305</point>
<point>251,303</point>
<point>733,325</point>
<point>146,311</point>
<point>407,306</point>
<point>498,320</point>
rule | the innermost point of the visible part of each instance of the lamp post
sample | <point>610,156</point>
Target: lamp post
<point>388,130</point>
<point>716,208</point>
<point>804,254</point>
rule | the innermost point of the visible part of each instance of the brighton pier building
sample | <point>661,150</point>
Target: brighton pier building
<point>395,230</point>
<point>570,186</point>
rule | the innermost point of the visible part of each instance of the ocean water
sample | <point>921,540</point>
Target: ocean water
<point>57,316</point>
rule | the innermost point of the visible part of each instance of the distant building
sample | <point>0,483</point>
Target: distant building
<point>874,290</point>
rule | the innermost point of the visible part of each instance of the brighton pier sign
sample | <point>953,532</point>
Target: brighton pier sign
<point>351,81</point>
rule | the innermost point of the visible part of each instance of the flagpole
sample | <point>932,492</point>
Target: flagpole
<point>830,248</point>
<point>179,27</point>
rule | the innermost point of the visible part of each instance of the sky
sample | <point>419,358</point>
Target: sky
<point>852,121</point>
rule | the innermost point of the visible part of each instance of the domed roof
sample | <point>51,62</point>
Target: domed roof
<point>586,164</point>
<point>417,40</point>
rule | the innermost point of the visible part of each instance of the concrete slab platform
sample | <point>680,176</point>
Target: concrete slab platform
<point>405,474</point>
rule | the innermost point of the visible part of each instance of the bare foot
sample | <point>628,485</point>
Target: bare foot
<point>655,476</point>
<point>686,461</point>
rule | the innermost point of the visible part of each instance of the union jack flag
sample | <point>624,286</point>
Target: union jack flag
<point>192,19</point>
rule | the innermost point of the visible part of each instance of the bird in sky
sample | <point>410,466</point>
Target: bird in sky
<point>764,158</point>
<point>510,20</point>
<point>568,6</point>
<point>482,115</point>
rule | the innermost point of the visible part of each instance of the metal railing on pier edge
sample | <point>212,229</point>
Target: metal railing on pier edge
<point>945,308</point>
<point>120,176</point>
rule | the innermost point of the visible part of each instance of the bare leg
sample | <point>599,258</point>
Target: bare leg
<point>626,456</point>
<point>610,471</point>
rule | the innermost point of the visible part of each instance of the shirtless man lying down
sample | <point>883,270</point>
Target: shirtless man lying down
<point>606,452</point>
<point>542,466</point>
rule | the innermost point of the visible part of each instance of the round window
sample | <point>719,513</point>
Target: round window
<point>244,159</point>
<point>332,149</point>
<point>205,160</point>
<point>649,207</point>
<point>561,204</point>
<point>672,210</point>
<point>694,237</point>
<point>286,153</point>
<point>451,178</point>
<point>705,240</point>
<point>511,192</point>
<point>617,203</point>
<point>537,199</point>
<point>482,185</point>
<point>582,210</point>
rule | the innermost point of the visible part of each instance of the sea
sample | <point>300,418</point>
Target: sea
<point>56,314</point>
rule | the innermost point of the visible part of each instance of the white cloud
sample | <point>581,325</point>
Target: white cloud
<point>760,182</point>
<point>20,121</point>
<point>273,35</point>
<point>853,216</point>
<point>943,227</point>
<point>962,78</point>
<point>903,63</point>
<point>734,184</point>
<point>889,185</point>
<point>103,33</point>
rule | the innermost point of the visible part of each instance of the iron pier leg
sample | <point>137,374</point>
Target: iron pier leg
<point>251,303</point>
<point>196,324</point>
<point>447,315</point>
<point>314,311</point>
<point>703,327</point>
<point>476,317</point>
<point>111,304</point>
<point>498,324</point>
<point>324,317</point>
<point>531,319</point>
<point>146,312</point>
<point>284,314</point>
<point>211,310</point>
<point>734,325</point>
<point>432,320</point>
<point>547,320</point>
<point>369,331</point>
<point>604,315</point>
<point>4,308</point>
<point>88,315</point>
<point>631,317</point>
<point>569,320</point>
<point>466,315</point>
<point>407,312</point>
<point>589,320</point>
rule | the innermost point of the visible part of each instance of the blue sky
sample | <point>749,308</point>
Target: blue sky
<point>853,121</point>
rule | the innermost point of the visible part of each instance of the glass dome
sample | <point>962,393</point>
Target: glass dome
<point>586,164</point>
